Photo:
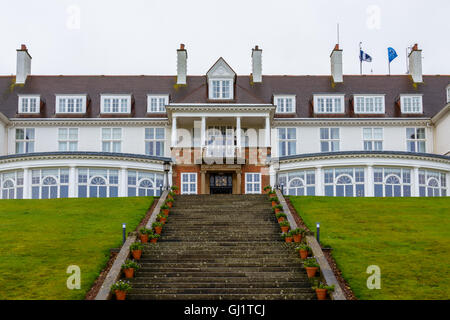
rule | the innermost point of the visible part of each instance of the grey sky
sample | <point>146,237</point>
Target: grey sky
<point>141,37</point>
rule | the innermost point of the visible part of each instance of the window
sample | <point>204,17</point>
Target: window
<point>285,104</point>
<point>111,139</point>
<point>411,104</point>
<point>345,182</point>
<point>329,139</point>
<point>253,183</point>
<point>71,104</point>
<point>329,104</point>
<point>116,104</point>
<point>68,139</point>
<point>448,94</point>
<point>25,140</point>
<point>369,104</point>
<point>373,139</point>
<point>11,185</point>
<point>392,182</point>
<point>415,139</point>
<point>220,141</point>
<point>144,184</point>
<point>432,184</point>
<point>287,141</point>
<point>221,89</point>
<point>157,104</point>
<point>298,183</point>
<point>50,183</point>
<point>189,183</point>
<point>29,104</point>
<point>154,141</point>
<point>98,183</point>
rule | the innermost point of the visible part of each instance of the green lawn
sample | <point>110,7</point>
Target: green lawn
<point>408,238</point>
<point>39,239</point>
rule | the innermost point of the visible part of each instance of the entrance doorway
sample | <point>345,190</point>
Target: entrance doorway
<point>221,183</point>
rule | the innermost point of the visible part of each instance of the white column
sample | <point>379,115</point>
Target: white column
<point>319,182</point>
<point>72,181</point>
<point>267,144</point>
<point>123,182</point>
<point>447,183</point>
<point>238,132</point>
<point>415,183</point>
<point>369,182</point>
<point>169,177</point>
<point>273,175</point>
<point>174,131</point>
<point>203,132</point>
<point>26,184</point>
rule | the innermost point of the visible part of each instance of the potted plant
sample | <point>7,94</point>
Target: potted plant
<point>143,234</point>
<point>274,201</point>
<point>304,250</point>
<point>157,226</point>
<point>281,216</point>
<point>165,209</point>
<point>161,218</point>
<point>171,195</point>
<point>129,267</point>
<point>153,237</point>
<point>311,267</point>
<point>322,290</point>
<point>267,189</point>
<point>136,250</point>
<point>287,237</point>
<point>174,189</point>
<point>120,288</point>
<point>169,202</point>
<point>284,226</point>
<point>278,208</point>
<point>298,234</point>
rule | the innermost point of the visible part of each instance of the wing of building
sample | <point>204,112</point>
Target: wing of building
<point>119,136</point>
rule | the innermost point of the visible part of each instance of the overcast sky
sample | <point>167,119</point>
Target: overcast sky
<point>297,36</point>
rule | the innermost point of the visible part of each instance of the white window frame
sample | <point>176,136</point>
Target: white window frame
<point>61,177</point>
<point>221,97</point>
<point>325,108</point>
<point>286,141</point>
<point>425,177</point>
<point>329,140</point>
<point>448,93</point>
<point>372,139</point>
<point>108,108</point>
<point>367,103</point>
<point>28,98</point>
<point>408,107</point>
<point>416,140</point>
<point>144,183</point>
<point>27,142</point>
<point>91,174</point>
<point>155,141</point>
<point>161,102</point>
<point>68,141</point>
<point>354,174</point>
<point>252,183</point>
<point>111,140</point>
<point>189,182</point>
<point>67,98</point>
<point>404,176</point>
<point>281,102</point>
<point>16,190</point>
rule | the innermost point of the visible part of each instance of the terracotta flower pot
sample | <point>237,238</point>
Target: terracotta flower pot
<point>297,237</point>
<point>284,229</point>
<point>277,210</point>
<point>303,254</point>
<point>272,195</point>
<point>120,295</point>
<point>288,239</point>
<point>163,220</point>
<point>144,238</point>
<point>158,230</point>
<point>274,203</point>
<point>170,204</point>
<point>321,294</point>
<point>311,271</point>
<point>136,254</point>
<point>281,219</point>
<point>166,212</point>
<point>153,240</point>
<point>129,273</point>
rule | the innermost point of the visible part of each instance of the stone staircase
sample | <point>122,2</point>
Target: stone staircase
<point>221,247</point>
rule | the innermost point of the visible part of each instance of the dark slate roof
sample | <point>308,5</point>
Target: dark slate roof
<point>433,90</point>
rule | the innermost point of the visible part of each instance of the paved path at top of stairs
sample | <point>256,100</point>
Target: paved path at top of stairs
<point>221,247</point>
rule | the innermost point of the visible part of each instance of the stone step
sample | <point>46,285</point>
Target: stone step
<point>148,284</point>
<point>220,291</point>
<point>224,269</point>
<point>156,279</point>
<point>254,296</point>
<point>204,274</point>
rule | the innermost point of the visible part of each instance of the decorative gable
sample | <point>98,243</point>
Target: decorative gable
<point>221,70</point>
<point>221,81</point>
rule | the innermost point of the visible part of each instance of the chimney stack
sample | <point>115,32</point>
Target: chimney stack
<point>181,64</point>
<point>415,64</point>
<point>257,65</point>
<point>336,65</point>
<point>23,69</point>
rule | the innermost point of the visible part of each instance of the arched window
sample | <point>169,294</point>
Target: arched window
<point>344,186</point>
<point>49,188</point>
<point>8,189</point>
<point>392,182</point>
<point>146,188</point>
<point>296,187</point>
<point>392,186</point>
<point>97,188</point>
<point>432,183</point>
<point>344,182</point>
<point>433,188</point>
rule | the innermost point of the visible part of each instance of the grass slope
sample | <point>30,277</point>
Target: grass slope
<point>39,239</point>
<point>408,238</point>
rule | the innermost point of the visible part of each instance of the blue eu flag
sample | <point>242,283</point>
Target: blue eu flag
<point>392,54</point>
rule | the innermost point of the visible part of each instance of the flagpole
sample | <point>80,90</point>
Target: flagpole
<point>360,59</point>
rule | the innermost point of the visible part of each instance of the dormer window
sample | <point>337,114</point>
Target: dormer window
<point>221,81</point>
<point>411,103</point>
<point>157,103</point>
<point>284,103</point>
<point>71,104</point>
<point>328,103</point>
<point>29,104</point>
<point>116,104</point>
<point>221,89</point>
<point>369,104</point>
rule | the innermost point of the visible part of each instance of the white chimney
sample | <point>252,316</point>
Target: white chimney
<point>336,65</point>
<point>181,65</point>
<point>415,64</point>
<point>23,64</point>
<point>257,65</point>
